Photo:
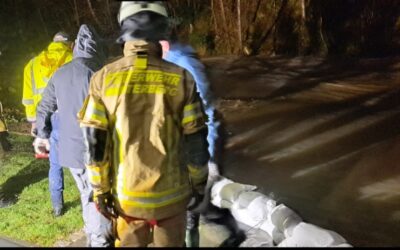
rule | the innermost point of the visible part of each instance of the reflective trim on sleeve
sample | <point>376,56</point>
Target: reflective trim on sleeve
<point>190,119</point>
<point>98,176</point>
<point>95,118</point>
<point>192,106</point>
<point>198,174</point>
<point>38,91</point>
<point>35,89</point>
<point>28,102</point>
<point>191,113</point>
<point>95,112</point>
<point>95,171</point>
<point>95,180</point>
<point>96,106</point>
<point>33,76</point>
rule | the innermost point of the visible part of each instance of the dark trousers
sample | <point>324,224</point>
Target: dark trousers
<point>56,174</point>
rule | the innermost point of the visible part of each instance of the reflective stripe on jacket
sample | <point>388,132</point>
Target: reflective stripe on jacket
<point>147,105</point>
<point>38,72</point>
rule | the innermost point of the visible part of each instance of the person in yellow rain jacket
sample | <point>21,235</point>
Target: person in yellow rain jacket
<point>37,73</point>
<point>39,70</point>
<point>147,140</point>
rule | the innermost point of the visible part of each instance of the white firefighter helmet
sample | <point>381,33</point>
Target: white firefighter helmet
<point>129,8</point>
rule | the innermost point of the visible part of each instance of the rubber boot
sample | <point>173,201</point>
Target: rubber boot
<point>192,238</point>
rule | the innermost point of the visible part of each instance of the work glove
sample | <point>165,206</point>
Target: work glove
<point>33,129</point>
<point>105,205</point>
<point>41,146</point>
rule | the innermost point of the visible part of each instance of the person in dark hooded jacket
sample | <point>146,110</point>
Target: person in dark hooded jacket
<point>64,95</point>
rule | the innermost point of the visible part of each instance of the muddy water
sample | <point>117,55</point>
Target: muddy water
<point>328,148</point>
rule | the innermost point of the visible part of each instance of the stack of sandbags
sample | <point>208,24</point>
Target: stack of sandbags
<point>285,227</point>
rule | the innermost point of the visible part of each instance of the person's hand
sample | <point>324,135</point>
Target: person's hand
<point>105,205</point>
<point>41,146</point>
<point>33,129</point>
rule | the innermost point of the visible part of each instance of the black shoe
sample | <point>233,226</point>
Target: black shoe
<point>58,211</point>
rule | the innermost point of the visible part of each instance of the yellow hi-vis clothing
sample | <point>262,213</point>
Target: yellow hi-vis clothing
<point>147,105</point>
<point>3,125</point>
<point>38,72</point>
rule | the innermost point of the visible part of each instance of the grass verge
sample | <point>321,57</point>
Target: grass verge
<point>24,184</point>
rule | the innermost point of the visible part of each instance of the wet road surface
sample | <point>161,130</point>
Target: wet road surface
<point>323,137</point>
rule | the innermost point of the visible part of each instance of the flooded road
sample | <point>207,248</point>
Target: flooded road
<point>321,136</point>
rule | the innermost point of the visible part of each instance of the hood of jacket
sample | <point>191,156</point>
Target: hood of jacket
<point>88,44</point>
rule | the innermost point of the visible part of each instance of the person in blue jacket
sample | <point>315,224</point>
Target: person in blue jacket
<point>186,57</point>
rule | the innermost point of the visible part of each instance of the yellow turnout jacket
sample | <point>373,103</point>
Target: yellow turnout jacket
<point>147,105</point>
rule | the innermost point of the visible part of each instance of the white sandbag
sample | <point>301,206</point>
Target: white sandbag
<point>231,191</point>
<point>217,201</point>
<point>276,235</point>
<point>217,187</point>
<point>308,235</point>
<point>245,198</point>
<point>257,238</point>
<point>293,242</point>
<point>224,192</point>
<point>226,204</point>
<point>285,219</point>
<point>255,213</point>
<point>289,242</point>
<point>289,224</point>
<point>242,215</point>
<point>260,208</point>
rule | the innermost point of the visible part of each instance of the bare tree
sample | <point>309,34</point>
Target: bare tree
<point>110,19</point>
<point>214,17</point>
<point>93,14</point>
<point>257,45</point>
<point>239,16</point>
<point>78,23</point>
<point>225,25</point>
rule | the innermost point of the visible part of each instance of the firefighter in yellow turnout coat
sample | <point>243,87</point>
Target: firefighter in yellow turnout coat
<point>145,129</point>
